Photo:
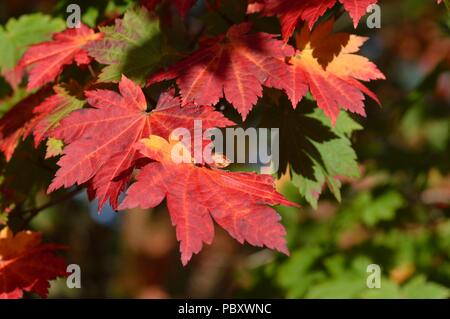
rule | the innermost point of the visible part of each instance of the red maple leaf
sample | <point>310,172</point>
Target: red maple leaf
<point>46,60</point>
<point>19,122</point>
<point>234,66</point>
<point>100,140</point>
<point>184,6</point>
<point>196,195</point>
<point>14,76</point>
<point>327,65</point>
<point>291,12</point>
<point>27,265</point>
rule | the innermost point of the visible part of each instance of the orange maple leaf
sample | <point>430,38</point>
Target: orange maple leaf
<point>26,264</point>
<point>327,65</point>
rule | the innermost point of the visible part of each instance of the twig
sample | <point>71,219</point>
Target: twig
<point>91,70</point>
<point>447,4</point>
<point>35,211</point>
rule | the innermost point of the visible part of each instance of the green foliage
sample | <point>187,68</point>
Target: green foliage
<point>18,34</point>
<point>375,210</point>
<point>390,179</point>
<point>13,99</point>
<point>313,151</point>
<point>338,159</point>
<point>132,47</point>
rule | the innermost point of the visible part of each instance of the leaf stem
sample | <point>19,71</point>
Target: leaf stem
<point>91,70</point>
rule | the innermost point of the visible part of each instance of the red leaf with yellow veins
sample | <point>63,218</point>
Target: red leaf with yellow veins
<point>291,12</point>
<point>197,195</point>
<point>100,139</point>
<point>327,65</point>
<point>46,60</point>
<point>234,66</point>
<point>27,265</point>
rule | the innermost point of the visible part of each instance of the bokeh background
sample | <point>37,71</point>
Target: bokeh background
<point>396,215</point>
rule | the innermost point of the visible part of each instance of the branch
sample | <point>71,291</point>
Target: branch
<point>35,211</point>
<point>92,72</point>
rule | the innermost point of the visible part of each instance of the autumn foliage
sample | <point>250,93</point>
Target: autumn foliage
<point>26,264</point>
<point>110,129</point>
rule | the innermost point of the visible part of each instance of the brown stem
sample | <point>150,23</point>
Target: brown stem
<point>92,72</point>
<point>35,211</point>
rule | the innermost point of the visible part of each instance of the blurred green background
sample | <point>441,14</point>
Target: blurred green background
<point>396,215</point>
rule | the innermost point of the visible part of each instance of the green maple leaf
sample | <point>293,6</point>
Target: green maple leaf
<point>18,34</point>
<point>132,47</point>
<point>338,159</point>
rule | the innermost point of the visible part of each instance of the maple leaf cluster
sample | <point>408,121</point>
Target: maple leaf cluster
<point>104,133</point>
